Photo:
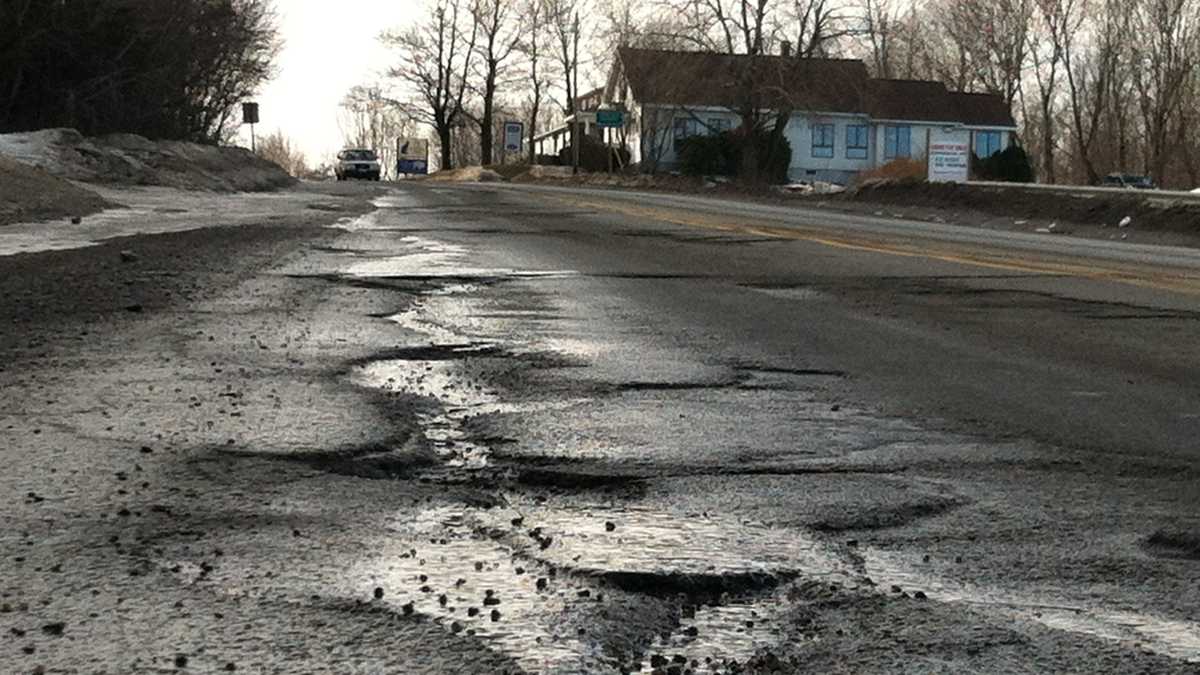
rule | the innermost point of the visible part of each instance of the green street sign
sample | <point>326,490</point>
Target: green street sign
<point>610,119</point>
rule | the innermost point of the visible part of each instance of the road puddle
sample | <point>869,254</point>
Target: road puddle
<point>1169,637</point>
<point>715,636</point>
<point>732,575</point>
<point>460,397</point>
<point>431,259</point>
<point>468,584</point>
<point>656,551</point>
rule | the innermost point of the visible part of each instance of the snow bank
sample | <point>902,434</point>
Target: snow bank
<point>126,159</point>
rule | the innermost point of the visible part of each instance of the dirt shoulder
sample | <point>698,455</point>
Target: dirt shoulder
<point>31,194</point>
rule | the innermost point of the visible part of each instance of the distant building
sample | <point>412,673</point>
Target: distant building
<point>842,120</point>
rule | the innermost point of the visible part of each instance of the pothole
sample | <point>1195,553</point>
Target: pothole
<point>652,551</point>
<point>1182,544</point>
<point>468,584</point>
<point>711,637</point>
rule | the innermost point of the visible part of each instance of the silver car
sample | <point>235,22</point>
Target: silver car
<point>357,163</point>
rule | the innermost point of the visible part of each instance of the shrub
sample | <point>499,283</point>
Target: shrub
<point>721,155</point>
<point>1011,165</point>
<point>594,155</point>
<point>774,157</point>
<point>707,155</point>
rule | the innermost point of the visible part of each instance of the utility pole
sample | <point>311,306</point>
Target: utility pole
<point>576,136</point>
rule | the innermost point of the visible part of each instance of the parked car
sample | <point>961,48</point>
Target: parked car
<point>1128,181</point>
<point>357,163</point>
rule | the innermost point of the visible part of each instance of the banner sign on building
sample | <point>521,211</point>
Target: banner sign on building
<point>412,156</point>
<point>949,157</point>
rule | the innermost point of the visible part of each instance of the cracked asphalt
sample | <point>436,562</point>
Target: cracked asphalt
<point>440,428</point>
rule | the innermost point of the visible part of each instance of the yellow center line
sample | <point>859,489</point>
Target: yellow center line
<point>976,257</point>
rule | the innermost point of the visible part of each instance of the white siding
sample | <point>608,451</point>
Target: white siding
<point>804,166</point>
<point>839,167</point>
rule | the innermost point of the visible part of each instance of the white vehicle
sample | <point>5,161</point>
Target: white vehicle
<point>357,163</point>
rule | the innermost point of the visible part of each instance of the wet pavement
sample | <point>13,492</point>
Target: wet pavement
<point>465,429</point>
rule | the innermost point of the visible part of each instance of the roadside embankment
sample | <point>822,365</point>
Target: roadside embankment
<point>126,159</point>
<point>41,172</point>
<point>1145,210</point>
<point>31,194</point>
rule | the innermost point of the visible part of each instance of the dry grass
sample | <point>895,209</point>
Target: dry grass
<point>897,170</point>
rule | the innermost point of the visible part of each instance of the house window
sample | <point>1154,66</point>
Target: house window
<point>987,143</point>
<point>856,141</point>
<point>718,125</point>
<point>897,142</point>
<point>822,140</point>
<point>686,127</point>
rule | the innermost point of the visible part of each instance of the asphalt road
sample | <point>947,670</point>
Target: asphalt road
<point>496,428</point>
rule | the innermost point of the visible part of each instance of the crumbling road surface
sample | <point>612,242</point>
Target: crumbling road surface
<point>489,429</point>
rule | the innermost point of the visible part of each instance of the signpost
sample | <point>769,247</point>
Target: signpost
<point>412,156</point>
<point>250,116</point>
<point>514,136</point>
<point>610,119</point>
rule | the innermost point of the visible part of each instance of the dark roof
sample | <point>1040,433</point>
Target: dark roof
<point>917,100</point>
<point>711,79</point>
<point>983,110</point>
<point>824,85</point>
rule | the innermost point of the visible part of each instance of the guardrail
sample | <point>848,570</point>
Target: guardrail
<point>1088,190</point>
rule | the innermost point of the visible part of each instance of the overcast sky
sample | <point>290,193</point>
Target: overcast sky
<point>330,46</point>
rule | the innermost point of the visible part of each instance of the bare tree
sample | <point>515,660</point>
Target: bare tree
<point>434,65</point>
<point>277,147</point>
<point>1089,64</point>
<point>817,26</point>
<point>880,20</point>
<point>1162,65</point>
<point>749,28</point>
<point>992,36</point>
<point>535,19</point>
<point>1054,22</point>
<point>370,119</point>
<point>498,25</point>
<point>563,17</point>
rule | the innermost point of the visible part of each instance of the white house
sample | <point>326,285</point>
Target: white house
<point>842,121</point>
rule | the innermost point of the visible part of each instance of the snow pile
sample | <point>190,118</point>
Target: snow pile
<point>819,187</point>
<point>126,159</point>
<point>468,174</point>
<point>541,171</point>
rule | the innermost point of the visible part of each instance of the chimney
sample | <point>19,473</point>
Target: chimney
<point>785,48</point>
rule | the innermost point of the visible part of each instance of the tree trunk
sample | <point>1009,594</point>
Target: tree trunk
<point>533,120</point>
<point>486,125</point>
<point>444,137</point>
<point>1048,172</point>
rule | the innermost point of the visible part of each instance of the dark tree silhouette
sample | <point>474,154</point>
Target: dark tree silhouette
<point>173,69</point>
